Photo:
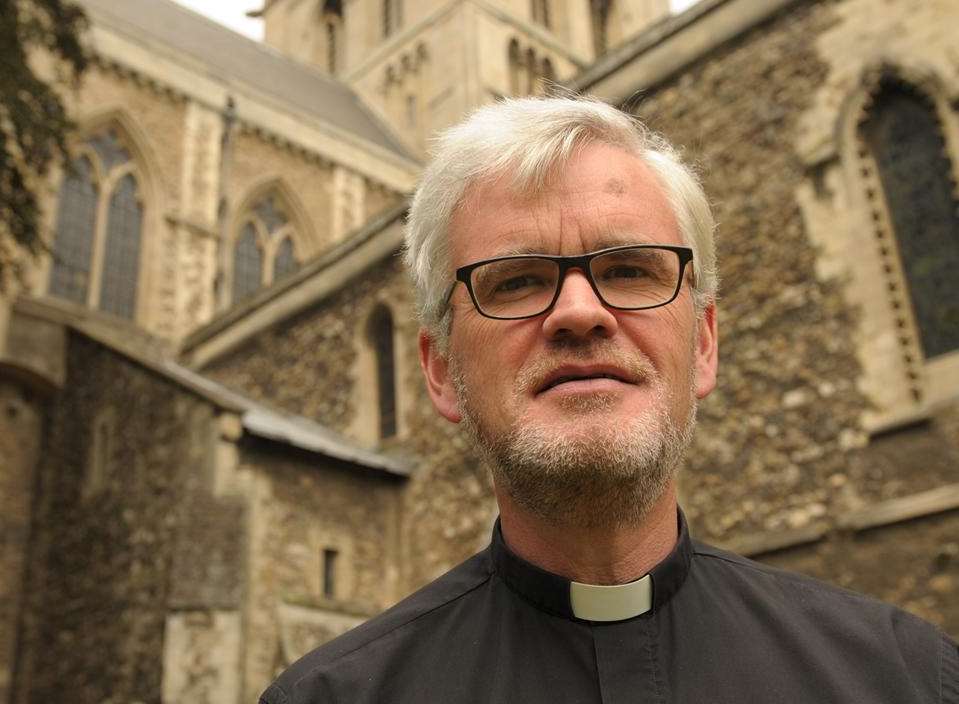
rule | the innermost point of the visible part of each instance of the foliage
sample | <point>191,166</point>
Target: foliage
<point>33,120</point>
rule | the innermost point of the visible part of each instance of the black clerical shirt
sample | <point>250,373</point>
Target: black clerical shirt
<point>717,629</point>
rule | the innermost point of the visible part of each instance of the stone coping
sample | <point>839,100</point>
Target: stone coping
<point>878,515</point>
<point>659,52</point>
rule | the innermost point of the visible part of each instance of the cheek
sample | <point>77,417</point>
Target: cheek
<point>661,332</point>
<point>497,346</point>
<point>477,352</point>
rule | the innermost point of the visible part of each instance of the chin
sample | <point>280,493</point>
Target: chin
<point>587,459</point>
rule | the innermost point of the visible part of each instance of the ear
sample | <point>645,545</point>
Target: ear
<point>439,384</point>
<point>707,352</point>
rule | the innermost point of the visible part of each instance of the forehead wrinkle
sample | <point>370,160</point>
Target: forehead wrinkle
<point>618,240</point>
<point>606,242</point>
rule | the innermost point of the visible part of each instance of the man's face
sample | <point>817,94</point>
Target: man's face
<point>591,449</point>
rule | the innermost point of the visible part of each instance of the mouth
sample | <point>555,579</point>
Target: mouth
<point>584,377</point>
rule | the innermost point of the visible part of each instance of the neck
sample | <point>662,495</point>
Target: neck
<point>592,555</point>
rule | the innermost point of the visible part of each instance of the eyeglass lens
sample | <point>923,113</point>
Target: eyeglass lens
<point>525,286</point>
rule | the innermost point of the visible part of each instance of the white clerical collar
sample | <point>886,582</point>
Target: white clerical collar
<point>617,602</point>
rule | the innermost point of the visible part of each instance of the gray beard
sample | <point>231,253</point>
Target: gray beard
<point>610,479</point>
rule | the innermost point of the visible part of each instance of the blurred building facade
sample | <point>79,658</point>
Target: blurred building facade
<point>216,448</point>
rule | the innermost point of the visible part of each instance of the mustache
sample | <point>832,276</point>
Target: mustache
<point>534,374</point>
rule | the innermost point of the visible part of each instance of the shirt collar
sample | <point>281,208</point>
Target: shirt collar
<point>568,599</point>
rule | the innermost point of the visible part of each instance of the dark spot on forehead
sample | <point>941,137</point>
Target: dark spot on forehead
<point>615,186</point>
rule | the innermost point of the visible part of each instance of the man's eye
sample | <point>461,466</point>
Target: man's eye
<point>625,272</point>
<point>517,283</point>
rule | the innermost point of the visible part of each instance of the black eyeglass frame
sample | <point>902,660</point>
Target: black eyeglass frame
<point>581,262</point>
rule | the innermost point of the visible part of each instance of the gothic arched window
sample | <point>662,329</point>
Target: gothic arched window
<point>100,458</point>
<point>332,21</point>
<point>600,11</point>
<point>515,66</point>
<point>547,76</point>
<point>392,16</point>
<point>284,262</point>
<point>532,72</point>
<point>903,134</point>
<point>76,225</point>
<point>121,259</point>
<point>541,12</point>
<point>332,30</point>
<point>264,250</point>
<point>380,333</point>
<point>97,242</point>
<point>247,264</point>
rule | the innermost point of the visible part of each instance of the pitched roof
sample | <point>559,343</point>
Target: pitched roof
<point>280,426</point>
<point>257,419</point>
<point>232,57</point>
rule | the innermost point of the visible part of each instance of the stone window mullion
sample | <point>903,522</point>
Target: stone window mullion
<point>99,239</point>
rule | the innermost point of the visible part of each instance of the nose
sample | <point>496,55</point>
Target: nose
<point>578,312</point>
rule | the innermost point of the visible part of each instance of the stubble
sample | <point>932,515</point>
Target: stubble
<point>587,474</point>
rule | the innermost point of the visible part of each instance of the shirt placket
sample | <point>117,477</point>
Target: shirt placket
<point>627,662</point>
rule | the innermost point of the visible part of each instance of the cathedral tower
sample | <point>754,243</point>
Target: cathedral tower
<point>421,64</point>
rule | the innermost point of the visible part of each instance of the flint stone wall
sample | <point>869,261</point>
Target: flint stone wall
<point>102,570</point>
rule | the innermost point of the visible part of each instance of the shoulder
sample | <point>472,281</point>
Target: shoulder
<point>790,589</point>
<point>822,610</point>
<point>384,636</point>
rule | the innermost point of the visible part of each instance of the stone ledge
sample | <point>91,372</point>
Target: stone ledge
<point>879,515</point>
<point>926,503</point>
<point>754,545</point>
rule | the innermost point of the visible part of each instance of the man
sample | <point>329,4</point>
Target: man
<point>565,269</point>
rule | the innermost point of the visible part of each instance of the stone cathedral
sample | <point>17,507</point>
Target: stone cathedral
<point>215,448</point>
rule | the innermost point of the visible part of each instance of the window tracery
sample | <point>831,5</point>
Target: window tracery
<point>98,233</point>
<point>264,250</point>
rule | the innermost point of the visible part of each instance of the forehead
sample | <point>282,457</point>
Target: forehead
<point>602,196</point>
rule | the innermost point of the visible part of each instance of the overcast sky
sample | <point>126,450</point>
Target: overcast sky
<point>232,13</point>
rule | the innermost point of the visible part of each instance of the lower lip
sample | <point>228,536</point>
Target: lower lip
<point>585,386</point>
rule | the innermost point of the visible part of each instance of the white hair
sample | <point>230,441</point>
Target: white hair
<point>528,138</point>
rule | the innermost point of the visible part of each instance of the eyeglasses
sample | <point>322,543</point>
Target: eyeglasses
<point>633,277</point>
